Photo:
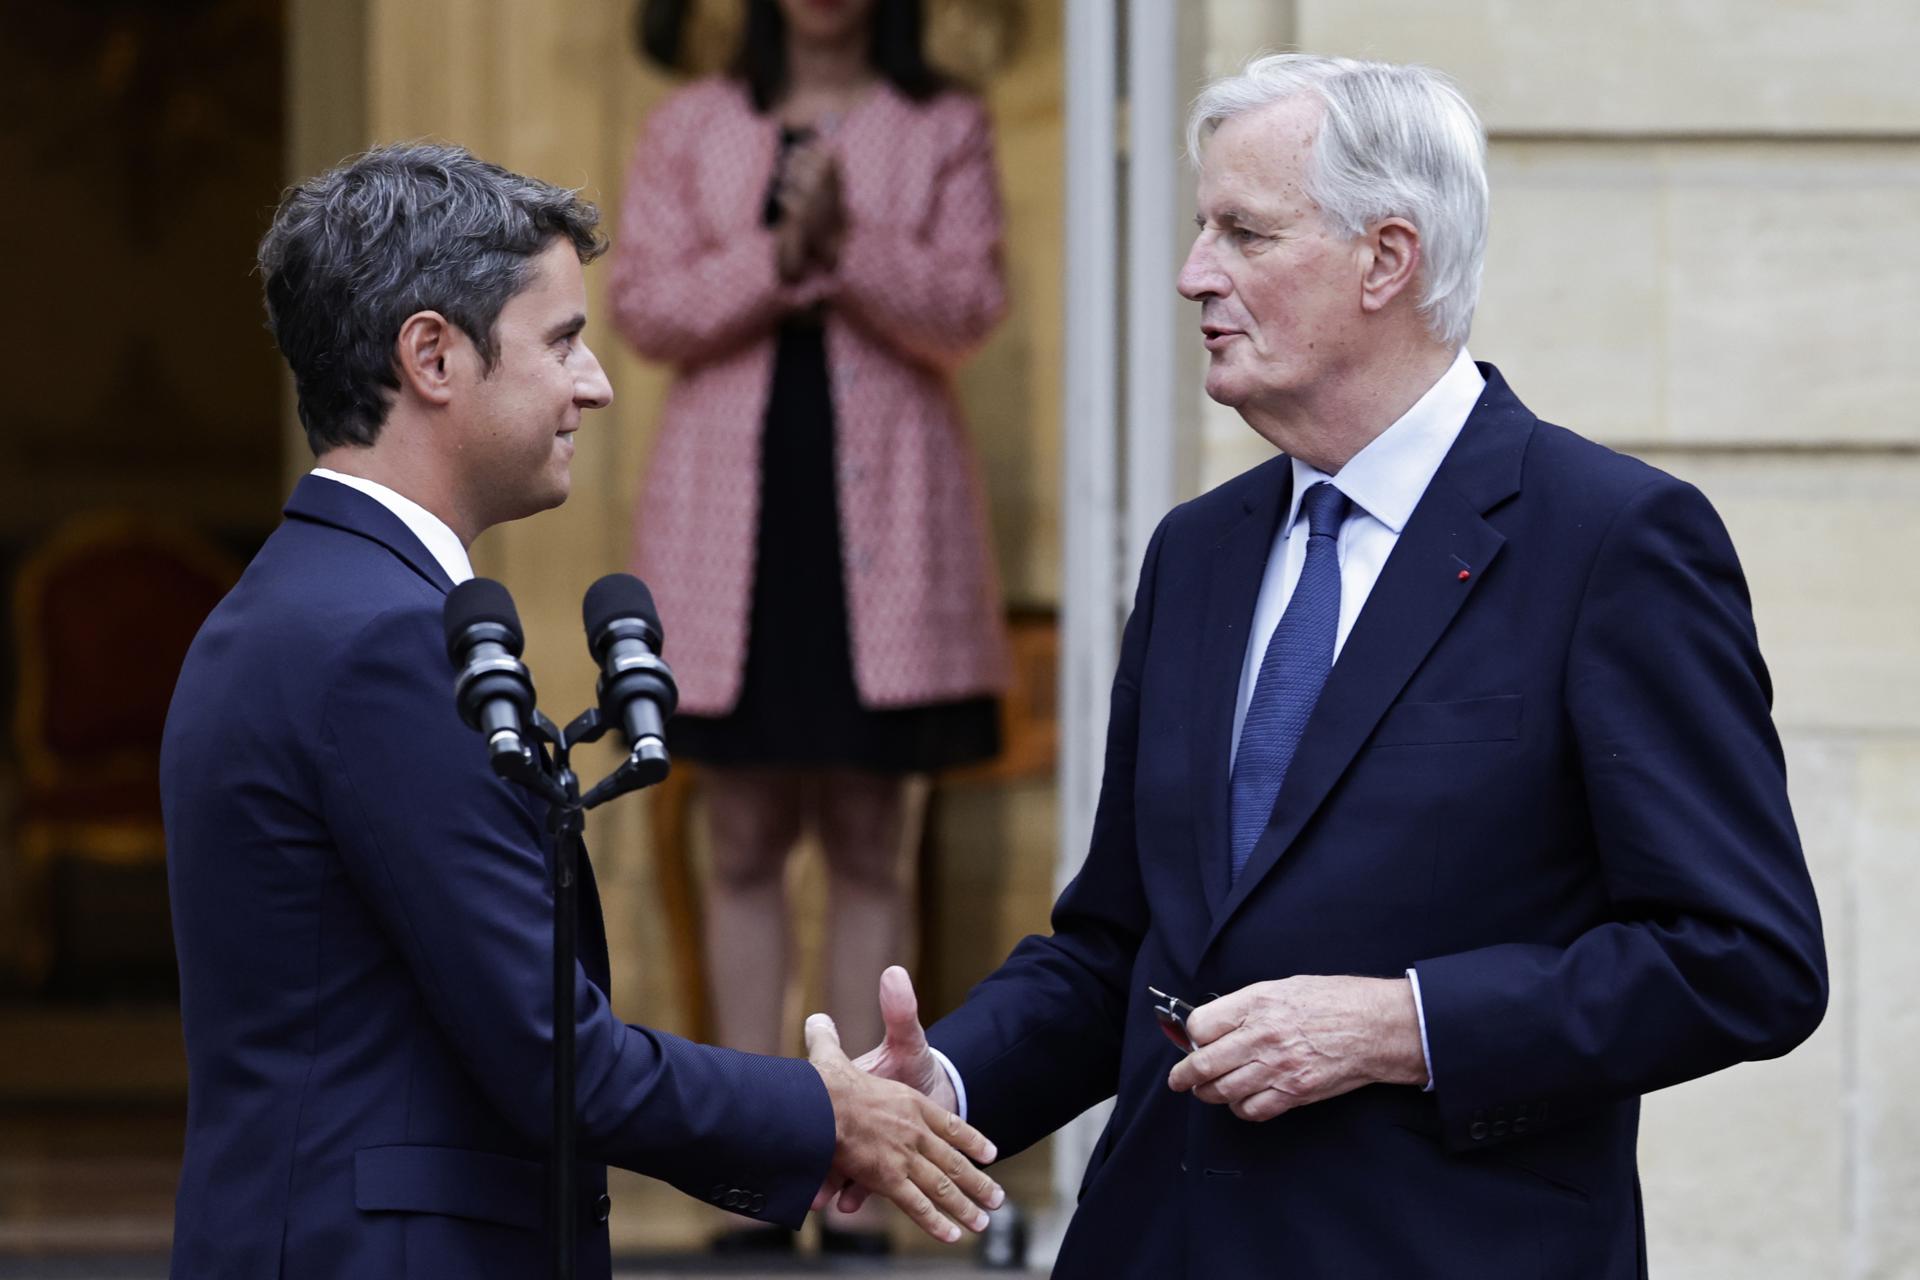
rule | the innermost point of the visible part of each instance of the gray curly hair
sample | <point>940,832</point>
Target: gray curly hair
<point>410,227</point>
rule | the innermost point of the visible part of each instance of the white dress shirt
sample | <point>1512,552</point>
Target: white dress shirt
<point>440,541</point>
<point>1384,482</point>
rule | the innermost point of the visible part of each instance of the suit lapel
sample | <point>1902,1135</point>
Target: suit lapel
<point>1417,596</point>
<point>1236,564</point>
<point>329,502</point>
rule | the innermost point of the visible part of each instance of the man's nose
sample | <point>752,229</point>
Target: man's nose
<point>592,390</point>
<point>1199,278</point>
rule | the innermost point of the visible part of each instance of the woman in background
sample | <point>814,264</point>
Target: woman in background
<point>813,242</point>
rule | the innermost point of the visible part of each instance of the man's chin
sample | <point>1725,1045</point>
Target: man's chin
<point>1225,388</point>
<point>546,500</point>
<point>559,483</point>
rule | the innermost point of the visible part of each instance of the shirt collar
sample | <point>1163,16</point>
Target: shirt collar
<point>440,541</point>
<point>1386,478</point>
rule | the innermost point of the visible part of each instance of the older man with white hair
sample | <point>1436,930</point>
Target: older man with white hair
<point>1440,748</point>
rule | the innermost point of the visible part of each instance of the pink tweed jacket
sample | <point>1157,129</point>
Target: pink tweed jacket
<point>918,287</point>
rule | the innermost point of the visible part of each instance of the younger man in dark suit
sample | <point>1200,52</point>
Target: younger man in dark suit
<point>363,927</point>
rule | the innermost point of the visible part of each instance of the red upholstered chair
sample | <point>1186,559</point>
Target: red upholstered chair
<point>103,613</point>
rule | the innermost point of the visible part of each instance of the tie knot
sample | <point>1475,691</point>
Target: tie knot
<point>1326,509</point>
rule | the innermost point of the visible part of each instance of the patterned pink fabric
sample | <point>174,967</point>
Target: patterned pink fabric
<point>918,287</point>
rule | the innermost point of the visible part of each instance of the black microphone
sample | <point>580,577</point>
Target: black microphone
<point>637,690</point>
<point>494,690</point>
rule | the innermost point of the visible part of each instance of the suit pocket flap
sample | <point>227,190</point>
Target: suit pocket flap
<point>451,1181</point>
<point>1495,719</point>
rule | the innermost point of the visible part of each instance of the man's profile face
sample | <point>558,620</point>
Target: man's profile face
<point>1279,292</point>
<point>517,446</point>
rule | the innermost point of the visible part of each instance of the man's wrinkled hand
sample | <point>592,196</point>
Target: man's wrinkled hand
<point>1274,1046</point>
<point>903,1055</point>
<point>897,1143</point>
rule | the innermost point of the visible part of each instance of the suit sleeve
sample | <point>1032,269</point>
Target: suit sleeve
<point>676,294</point>
<point>451,860</point>
<point>1713,953</point>
<point>1038,1041</point>
<point>936,291</point>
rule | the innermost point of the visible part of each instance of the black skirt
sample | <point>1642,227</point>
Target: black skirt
<point>799,706</point>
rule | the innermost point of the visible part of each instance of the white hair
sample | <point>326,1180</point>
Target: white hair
<point>1395,142</point>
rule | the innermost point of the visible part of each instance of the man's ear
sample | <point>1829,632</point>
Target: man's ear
<point>1391,262</point>
<point>424,354</point>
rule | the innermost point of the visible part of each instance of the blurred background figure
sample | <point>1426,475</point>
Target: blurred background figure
<point>812,241</point>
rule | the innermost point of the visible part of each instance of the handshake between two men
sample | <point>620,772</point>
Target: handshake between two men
<point>1260,1052</point>
<point>896,1131</point>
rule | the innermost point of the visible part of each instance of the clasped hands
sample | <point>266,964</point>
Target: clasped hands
<point>1261,1051</point>
<point>812,217</point>
<point>894,1128</point>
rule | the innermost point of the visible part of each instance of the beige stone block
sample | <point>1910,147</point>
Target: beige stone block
<point>1737,293</point>
<point>1742,1171</point>
<point>1827,544</point>
<point>1885,1109</point>
<point>1649,65</point>
<point>1572,303</point>
<point>1790,309</point>
<point>1238,29</point>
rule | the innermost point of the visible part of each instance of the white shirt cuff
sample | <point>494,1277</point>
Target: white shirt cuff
<point>960,1089</point>
<point>1419,1010</point>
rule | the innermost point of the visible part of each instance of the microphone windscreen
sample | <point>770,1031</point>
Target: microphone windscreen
<point>479,600</point>
<point>618,595</point>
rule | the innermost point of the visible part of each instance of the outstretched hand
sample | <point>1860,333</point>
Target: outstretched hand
<point>903,1056</point>
<point>896,1142</point>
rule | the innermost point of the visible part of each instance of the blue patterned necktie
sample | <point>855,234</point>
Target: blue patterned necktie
<point>1292,671</point>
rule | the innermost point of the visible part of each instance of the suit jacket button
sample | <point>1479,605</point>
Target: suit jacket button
<point>1499,1128</point>
<point>1519,1126</point>
<point>602,1207</point>
<point>758,1204</point>
<point>1478,1131</point>
<point>719,1193</point>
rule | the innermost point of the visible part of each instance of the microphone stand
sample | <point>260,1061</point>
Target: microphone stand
<point>556,783</point>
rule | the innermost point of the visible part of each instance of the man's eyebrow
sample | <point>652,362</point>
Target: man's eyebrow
<point>568,327</point>
<point>1226,218</point>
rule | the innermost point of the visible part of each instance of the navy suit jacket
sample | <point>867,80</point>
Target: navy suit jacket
<point>1552,787</point>
<point>365,939</point>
